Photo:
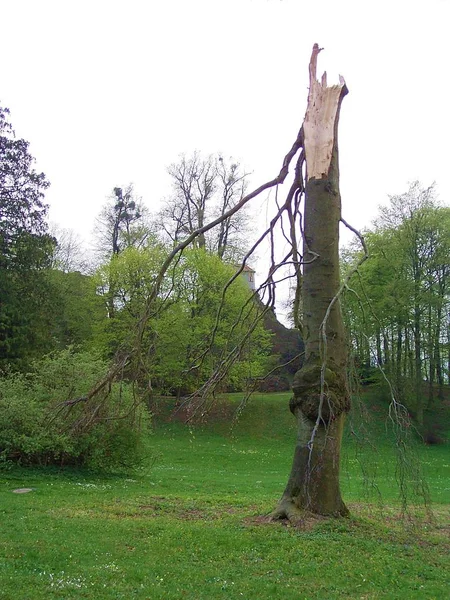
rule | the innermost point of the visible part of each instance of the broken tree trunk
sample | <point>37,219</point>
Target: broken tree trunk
<point>321,397</point>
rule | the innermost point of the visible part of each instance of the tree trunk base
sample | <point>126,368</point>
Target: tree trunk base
<point>313,486</point>
<point>288,512</point>
<point>287,509</point>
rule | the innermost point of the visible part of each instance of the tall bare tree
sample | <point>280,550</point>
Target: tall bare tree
<point>232,187</point>
<point>69,254</point>
<point>205,188</point>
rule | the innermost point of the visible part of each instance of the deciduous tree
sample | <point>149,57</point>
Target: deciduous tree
<point>123,222</point>
<point>204,188</point>
<point>398,309</point>
<point>182,351</point>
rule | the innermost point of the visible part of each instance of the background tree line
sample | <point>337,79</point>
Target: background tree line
<point>62,320</point>
<point>53,298</point>
<point>397,309</point>
<point>54,301</point>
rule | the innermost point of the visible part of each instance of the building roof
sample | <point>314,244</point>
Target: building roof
<point>248,269</point>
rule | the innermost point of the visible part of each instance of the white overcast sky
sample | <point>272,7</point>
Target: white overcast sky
<point>112,92</point>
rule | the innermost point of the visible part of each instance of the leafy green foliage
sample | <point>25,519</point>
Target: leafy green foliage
<point>186,341</point>
<point>78,311</point>
<point>192,341</point>
<point>22,209</point>
<point>397,310</point>
<point>25,248</point>
<point>36,427</point>
<point>26,311</point>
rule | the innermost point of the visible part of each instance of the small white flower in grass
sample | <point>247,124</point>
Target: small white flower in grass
<point>110,567</point>
<point>61,581</point>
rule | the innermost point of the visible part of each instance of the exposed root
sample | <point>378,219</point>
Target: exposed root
<point>290,515</point>
<point>288,510</point>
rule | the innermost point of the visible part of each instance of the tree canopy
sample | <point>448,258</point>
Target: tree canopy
<point>397,309</point>
<point>204,188</point>
<point>25,247</point>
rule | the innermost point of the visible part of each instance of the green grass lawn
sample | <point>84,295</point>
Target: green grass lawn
<point>188,524</point>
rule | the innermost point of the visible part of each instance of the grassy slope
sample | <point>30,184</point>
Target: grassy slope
<point>189,526</point>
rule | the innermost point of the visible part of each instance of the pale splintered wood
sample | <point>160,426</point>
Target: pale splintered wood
<point>320,118</point>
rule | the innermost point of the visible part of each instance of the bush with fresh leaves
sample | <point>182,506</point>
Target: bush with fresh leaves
<point>39,426</point>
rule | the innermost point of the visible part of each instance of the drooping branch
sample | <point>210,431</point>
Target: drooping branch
<point>279,179</point>
<point>132,355</point>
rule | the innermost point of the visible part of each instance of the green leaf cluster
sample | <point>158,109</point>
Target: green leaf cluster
<point>25,249</point>
<point>397,307</point>
<point>196,323</point>
<point>36,427</point>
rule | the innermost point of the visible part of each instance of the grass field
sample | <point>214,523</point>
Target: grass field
<point>189,523</point>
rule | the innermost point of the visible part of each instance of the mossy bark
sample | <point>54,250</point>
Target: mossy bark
<point>313,484</point>
<point>321,398</point>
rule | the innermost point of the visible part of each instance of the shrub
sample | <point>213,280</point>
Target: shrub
<point>36,427</point>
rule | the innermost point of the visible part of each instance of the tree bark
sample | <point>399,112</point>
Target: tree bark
<point>379,355</point>
<point>418,363</point>
<point>321,397</point>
